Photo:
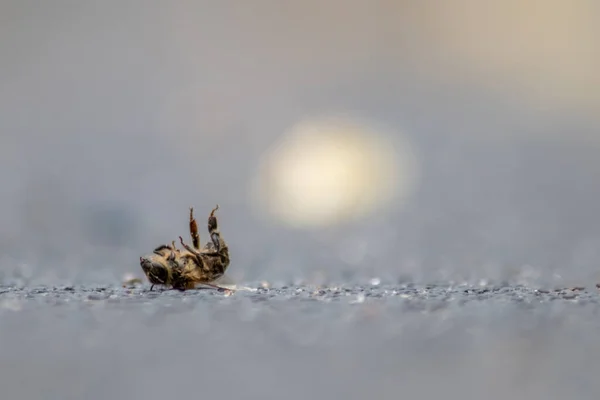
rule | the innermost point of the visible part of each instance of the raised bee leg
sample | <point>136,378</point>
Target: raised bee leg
<point>194,230</point>
<point>171,256</point>
<point>193,251</point>
<point>188,248</point>
<point>213,230</point>
<point>173,247</point>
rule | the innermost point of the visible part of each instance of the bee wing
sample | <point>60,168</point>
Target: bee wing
<point>228,282</point>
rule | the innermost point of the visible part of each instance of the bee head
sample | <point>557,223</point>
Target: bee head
<point>157,272</point>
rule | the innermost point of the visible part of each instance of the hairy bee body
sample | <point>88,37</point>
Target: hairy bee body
<point>191,266</point>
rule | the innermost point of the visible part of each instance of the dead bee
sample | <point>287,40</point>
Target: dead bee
<point>191,266</point>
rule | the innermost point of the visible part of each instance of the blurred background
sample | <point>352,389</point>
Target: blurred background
<point>343,140</point>
<point>346,142</point>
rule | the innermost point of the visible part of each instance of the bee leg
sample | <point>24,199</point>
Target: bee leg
<point>188,248</point>
<point>215,286</point>
<point>171,256</point>
<point>193,251</point>
<point>175,251</point>
<point>194,230</point>
<point>151,287</point>
<point>213,230</point>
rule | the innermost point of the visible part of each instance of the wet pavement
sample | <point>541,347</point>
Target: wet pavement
<point>300,341</point>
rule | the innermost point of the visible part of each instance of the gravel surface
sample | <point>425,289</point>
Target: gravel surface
<point>420,297</point>
<point>295,342</point>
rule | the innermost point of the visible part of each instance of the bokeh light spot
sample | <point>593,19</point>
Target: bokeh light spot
<point>325,171</point>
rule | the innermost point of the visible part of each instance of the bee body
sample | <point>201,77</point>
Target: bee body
<point>191,266</point>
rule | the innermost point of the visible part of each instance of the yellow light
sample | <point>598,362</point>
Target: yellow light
<point>329,170</point>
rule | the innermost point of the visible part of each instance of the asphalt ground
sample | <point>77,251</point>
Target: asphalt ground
<point>296,342</point>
